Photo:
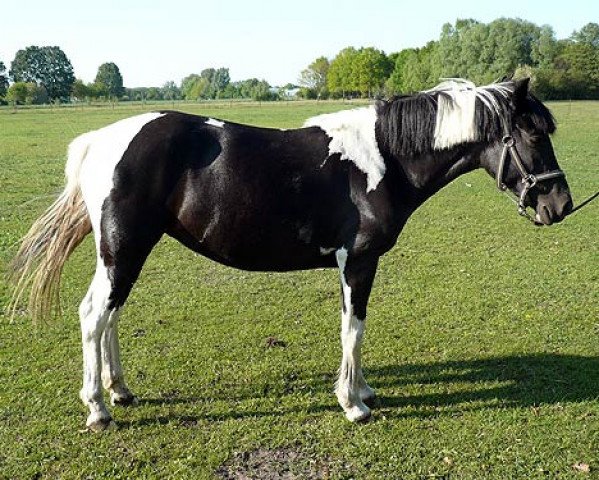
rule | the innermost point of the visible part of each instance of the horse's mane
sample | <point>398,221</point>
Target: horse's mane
<point>456,112</point>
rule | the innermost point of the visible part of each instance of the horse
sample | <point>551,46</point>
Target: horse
<point>335,193</point>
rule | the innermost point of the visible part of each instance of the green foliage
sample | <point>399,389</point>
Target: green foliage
<point>215,83</point>
<point>314,79</point>
<point>340,79</point>
<point>588,34</point>
<point>110,80</point>
<point>360,72</point>
<point>27,93</point>
<point>17,93</point>
<point>170,91</point>
<point>209,84</point>
<point>487,52</point>
<point>187,84</point>
<point>395,82</point>
<point>420,69</point>
<point>370,71</point>
<point>36,94</point>
<point>3,80</point>
<point>46,66</point>
<point>80,90</point>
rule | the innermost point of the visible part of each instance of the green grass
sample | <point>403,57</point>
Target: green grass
<point>482,338</point>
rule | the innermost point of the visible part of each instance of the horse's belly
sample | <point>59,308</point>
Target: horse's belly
<point>257,247</point>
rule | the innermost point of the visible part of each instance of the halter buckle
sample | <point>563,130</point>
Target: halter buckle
<point>508,141</point>
<point>529,181</point>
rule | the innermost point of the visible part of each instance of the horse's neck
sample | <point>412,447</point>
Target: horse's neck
<point>429,173</point>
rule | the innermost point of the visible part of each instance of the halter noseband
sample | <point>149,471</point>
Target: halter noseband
<point>529,180</point>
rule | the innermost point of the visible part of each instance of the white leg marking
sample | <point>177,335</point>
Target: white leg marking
<point>113,378</point>
<point>94,313</point>
<point>350,381</point>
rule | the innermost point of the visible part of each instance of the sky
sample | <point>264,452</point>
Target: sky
<point>154,41</point>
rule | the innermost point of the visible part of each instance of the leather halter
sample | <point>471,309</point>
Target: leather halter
<point>529,180</point>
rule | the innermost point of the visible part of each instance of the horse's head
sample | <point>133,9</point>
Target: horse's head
<point>524,161</point>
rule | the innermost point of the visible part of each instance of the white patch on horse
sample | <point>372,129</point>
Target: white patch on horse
<point>104,149</point>
<point>352,135</point>
<point>455,122</point>
<point>215,123</point>
<point>350,382</point>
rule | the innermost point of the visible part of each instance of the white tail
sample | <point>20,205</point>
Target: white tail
<point>37,266</point>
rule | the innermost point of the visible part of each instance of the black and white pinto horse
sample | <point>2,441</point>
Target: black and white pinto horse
<point>335,193</point>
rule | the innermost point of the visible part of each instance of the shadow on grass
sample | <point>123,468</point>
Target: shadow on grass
<point>468,385</point>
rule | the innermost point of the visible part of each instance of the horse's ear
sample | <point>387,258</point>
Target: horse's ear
<point>521,92</point>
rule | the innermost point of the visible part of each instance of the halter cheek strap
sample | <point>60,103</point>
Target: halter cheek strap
<point>529,180</point>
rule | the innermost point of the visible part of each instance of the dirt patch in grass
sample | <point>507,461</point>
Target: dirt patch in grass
<point>279,464</point>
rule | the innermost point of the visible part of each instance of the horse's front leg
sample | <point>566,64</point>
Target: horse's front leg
<point>357,275</point>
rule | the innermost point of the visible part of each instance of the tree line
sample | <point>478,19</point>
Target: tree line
<point>45,74</point>
<point>481,52</point>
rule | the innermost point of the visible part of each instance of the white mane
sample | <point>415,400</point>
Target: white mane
<point>456,109</point>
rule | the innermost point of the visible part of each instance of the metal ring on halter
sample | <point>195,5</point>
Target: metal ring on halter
<point>508,141</point>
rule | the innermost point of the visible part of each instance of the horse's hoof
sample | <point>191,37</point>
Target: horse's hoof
<point>357,414</point>
<point>124,400</point>
<point>372,401</point>
<point>101,425</point>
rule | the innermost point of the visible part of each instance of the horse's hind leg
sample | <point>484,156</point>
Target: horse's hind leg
<point>94,312</point>
<point>126,238</point>
<point>113,377</point>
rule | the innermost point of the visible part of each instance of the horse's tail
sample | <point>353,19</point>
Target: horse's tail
<point>38,265</point>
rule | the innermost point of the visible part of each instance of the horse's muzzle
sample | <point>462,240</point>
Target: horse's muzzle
<point>554,210</point>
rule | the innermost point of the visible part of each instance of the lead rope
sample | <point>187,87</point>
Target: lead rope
<point>586,202</point>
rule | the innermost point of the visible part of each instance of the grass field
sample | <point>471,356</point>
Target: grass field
<point>482,339</point>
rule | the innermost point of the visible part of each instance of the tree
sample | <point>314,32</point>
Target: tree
<point>545,49</point>
<point>485,52</point>
<point>371,68</point>
<point>340,79</point>
<point>110,78</point>
<point>45,66</point>
<point>187,84</point>
<point>80,90</point>
<point>580,61</point>
<point>170,91</point>
<point>3,80</point>
<point>395,83</point>
<point>314,77</point>
<point>17,93</point>
<point>220,80</point>
<point>588,34</point>
<point>36,94</point>
<point>200,88</point>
